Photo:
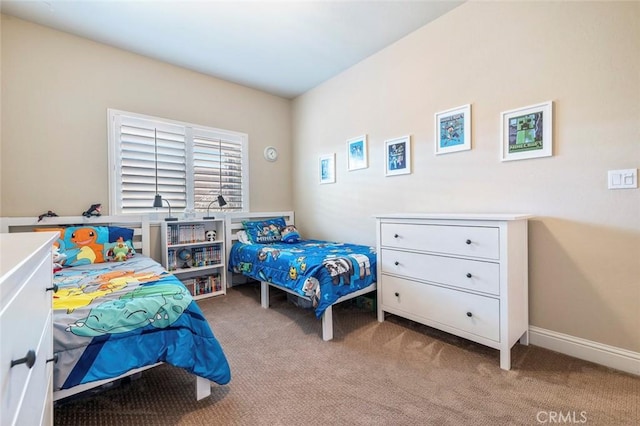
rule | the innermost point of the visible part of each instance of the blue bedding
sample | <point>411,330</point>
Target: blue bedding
<point>110,318</point>
<point>321,270</point>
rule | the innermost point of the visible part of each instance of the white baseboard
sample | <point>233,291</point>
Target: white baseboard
<point>609,356</point>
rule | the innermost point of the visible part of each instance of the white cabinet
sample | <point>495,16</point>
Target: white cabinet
<point>193,250</point>
<point>26,351</point>
<point>463,274</point>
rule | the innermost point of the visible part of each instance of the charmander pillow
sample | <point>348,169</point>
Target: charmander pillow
<point>85,244</point>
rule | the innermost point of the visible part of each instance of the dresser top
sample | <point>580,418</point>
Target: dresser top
<point>456,216</point>
<point>17,248</point>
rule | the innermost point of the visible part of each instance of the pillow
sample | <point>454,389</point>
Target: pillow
<point>115,232</point>
<point>290,234</point>
<point>85,244</point>
<point>264,231</point>
<point>243,237</point>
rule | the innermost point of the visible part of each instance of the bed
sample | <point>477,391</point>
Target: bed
<point>117,312</point>
<point>322,273</point>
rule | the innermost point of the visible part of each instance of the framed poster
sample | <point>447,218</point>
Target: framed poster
<point>453,130</point>
<point>397,156</point>
<point>527,132</point>
<point>327,168</point>
<point>357,153</point>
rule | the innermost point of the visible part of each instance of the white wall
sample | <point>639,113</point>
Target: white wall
<point>585,239</point>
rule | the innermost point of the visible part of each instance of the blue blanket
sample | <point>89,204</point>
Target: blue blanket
<point>110,318</point>
<point>321,270</point>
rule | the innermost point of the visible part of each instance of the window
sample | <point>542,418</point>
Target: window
<point>189,165</point>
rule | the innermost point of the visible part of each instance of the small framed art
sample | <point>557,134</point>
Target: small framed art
<point>327,168</point>
<point>453,130</point>
<point>527,132</point>
<point>397,156</point>
<point>357,153</point>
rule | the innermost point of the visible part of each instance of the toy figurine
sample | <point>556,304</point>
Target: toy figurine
<point>94,210</point>
<point>210,235</point>
<point>47,214</point>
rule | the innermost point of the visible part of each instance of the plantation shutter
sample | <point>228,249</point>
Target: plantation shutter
<point>188,165</point>
<point>137,157</point>
<point>217,169</point>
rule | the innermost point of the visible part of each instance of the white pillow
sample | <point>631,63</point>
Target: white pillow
<point>243,237</point>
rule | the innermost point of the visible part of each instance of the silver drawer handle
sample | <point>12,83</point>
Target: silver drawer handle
<point>30,359</point>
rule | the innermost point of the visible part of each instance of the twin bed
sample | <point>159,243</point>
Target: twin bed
<point>118,312</point>
<point>323,273</point>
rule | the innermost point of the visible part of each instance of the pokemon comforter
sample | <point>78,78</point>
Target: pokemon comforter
<point>110,318</point>
<point>321,270</point>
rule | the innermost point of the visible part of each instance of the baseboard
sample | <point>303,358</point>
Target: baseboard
<point>609,356</point>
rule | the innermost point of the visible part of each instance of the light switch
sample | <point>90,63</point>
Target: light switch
<point>623,179</point>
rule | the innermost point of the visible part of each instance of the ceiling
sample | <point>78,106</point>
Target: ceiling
<point>281,47</point>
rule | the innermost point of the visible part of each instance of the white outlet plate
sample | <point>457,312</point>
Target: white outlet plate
<point>623,179</point>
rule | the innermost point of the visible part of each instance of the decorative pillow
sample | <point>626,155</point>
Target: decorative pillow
<point>243,237</point>
<point>115,233</point>
<point>290,234</point>
<point>264,231</point>
<point>85,244</point>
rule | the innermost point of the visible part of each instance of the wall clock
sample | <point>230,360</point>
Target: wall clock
<point>270,153</point>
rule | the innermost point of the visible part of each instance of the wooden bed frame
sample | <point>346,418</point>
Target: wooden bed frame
<point>234,224</point>
<point>142,243</point>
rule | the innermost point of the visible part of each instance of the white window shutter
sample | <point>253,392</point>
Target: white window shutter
<point>189,166</point>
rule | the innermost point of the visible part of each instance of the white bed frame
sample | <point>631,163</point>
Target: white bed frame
<point>234,224</point>
<point>141,242</point>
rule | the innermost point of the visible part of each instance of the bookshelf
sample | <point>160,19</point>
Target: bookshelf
<point>193,250</point>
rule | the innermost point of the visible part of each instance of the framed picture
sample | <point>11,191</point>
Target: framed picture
<point>327,168</point>
<point>357,153</point>
<point>527,132</point>
<point>453,130</point>
<point>397,155</point>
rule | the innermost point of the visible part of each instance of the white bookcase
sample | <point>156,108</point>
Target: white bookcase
<point>194,256</point>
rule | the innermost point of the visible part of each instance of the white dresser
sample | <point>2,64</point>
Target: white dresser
<point>466,274</point>
<point>26,339</point>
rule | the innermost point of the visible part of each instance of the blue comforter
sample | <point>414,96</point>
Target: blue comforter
<point>110,318</point>
<point>321,270</point>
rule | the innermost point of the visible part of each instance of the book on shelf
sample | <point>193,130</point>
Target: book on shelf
<point>186,233</point>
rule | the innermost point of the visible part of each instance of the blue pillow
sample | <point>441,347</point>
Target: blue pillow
<point>116,232</point>
<point>85,244</point>
<point>264,231</point>
<point>290,234</point>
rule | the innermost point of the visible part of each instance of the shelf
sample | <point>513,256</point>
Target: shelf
<point>196,269</point>
<point>182,241</point>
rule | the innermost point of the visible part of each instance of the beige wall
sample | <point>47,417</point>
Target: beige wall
<point>56,89</point>
<point>585,239</point>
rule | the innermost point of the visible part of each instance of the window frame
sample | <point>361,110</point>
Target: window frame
<point>115,162</point>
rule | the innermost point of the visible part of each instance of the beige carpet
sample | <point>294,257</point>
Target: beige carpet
<point>391,373</point>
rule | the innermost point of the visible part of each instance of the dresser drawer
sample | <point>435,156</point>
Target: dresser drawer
<point>474,241</point>
<point>26,323</point>
<point>467,274</point>
<point>478,315</point>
